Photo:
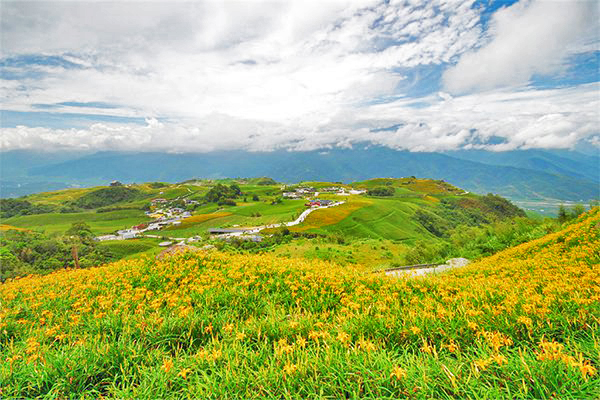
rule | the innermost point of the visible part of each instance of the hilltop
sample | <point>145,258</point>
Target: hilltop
<point>520,323</point>
<point>519,175</point>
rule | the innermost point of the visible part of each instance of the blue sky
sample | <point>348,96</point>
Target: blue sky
<point>301,75</point>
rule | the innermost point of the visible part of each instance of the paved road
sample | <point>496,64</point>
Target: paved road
<point>297,221</point>
<point>450,264</point>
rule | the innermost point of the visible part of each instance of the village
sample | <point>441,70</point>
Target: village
<point>164,215</point>
<point>307,192</point>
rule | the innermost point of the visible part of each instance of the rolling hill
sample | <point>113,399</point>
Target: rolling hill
<point>416,214</point>
<point>517,175</point>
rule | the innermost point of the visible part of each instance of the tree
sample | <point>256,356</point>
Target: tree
<point>381,191</point>
<point>577,210</point>
<point>81,230</point>
<point>562,214</point>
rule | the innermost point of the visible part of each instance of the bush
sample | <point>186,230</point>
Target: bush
<point>381,191</point>
<point>12,207</point>
<point>106,197</point>
<point>220,192</point>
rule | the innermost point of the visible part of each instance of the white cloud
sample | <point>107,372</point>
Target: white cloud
<point>278,74</point>
<point>258,60</point>
<point>556,118</point>
<point>530,37</point>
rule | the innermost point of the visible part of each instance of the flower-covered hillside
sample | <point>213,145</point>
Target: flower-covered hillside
<point>523,323</point>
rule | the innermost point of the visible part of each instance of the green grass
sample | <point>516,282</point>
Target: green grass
<point>372,253</point>
<point>382,219</point>
<point>100,223</point>
<point>125,249</point>
<point>241,215</point>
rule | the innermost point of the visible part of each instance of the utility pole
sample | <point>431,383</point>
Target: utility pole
<point>75,255</point>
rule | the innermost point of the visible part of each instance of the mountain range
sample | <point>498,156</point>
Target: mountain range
<point>525,174</point>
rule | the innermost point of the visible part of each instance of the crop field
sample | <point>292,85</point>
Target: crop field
<point>100,223</point>
<point>330,216</point>
<point>426,186</point>
<point>196,219</point>
<point>239,215</point>
<point>374,253</point>
<point>60,196</point>
<point>4,227</point>
<point>520,324</point>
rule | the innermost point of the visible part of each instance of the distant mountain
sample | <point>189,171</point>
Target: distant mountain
<point>16,181</point>
<point>526,175</point>
<point>559,162</point>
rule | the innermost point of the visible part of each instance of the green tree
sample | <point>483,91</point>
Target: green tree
<point>81,230</point>
<point>577,210</point>
<point>562,214</point>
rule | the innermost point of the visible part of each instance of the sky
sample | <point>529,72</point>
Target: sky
<point>299,75</point>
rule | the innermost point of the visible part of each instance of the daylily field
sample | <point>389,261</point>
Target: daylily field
<point>522,323</point>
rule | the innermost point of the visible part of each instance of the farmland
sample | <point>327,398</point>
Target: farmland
<point>522,323</point>
<point>378,231</point>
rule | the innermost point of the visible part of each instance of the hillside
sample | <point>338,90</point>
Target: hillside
<point>395,216</point>
<point>517,175</point>
<point>521,324</point>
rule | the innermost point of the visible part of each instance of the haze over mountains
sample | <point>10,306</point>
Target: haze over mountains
<point>528,174</point>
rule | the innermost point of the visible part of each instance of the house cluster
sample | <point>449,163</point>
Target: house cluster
<point>318,203</point>
<point>342,191</point>
<point>160,200</point>
<point>162,218</point>
<point>300,193</point>
<point>305,192</point>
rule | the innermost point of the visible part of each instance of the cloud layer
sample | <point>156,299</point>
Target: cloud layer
<point>296,75</point>
<point>525,39</point>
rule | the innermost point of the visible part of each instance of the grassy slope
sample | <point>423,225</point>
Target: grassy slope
<point>383,218</point>
<point>126,249</point>
<point>99,222</point>
<point>108,222</point>
<point>522,324</point>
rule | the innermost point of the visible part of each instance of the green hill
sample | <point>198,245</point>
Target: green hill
<point>520,175</point>
<point>415,221</point>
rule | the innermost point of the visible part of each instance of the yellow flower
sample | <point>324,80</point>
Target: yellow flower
<point>481,365</point>
<point>228,328</point>
<point>587,369</point>
<point>427,348</point>
<point>167,365</point>
<point>290,369</point>
<point>525,321</point>
<point>240,336</point>
<point>398,373</point>
<point>415,330</point>
<point>499,359</point>
<point>452,347</point>
<point>343,337</point>
<point>366,345</point>
<point>300,341</point>
<point>183,373</point>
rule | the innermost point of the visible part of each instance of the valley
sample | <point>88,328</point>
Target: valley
<point>380,223</point>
